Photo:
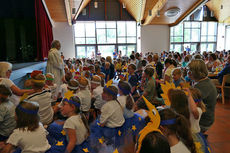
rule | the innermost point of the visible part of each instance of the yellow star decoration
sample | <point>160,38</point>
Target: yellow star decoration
<point>126,74</point>
<point>68,94</point>
<point>63,132</point>
<point>25,95</point>
<point>139,118</point>
<point>134,128</point>
<point>166,87</point>
<point>115,151</point>
<point>98,124</point>
<point>85,149</point>
<point>152,125</point>
<point>101,140</point>
<point>186,85</point>
<point>72,70</point>
<point>209,149</point>
<point>198,146</point>
<point>59,143</point>
<point>119,133</point>
<point>109,83</point>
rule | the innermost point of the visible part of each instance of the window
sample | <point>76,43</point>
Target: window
<point>197,36</point>
<point>105,36</point>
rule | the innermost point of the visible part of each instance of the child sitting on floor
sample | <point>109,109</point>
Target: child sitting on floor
<point>97,90</point>
<point>84,94</point>
<point>76,126</point>
<point>29,135</point>
<point>177,77</point>
<point>43,98</point>
<point>52,86</point>
<point>7,122</point>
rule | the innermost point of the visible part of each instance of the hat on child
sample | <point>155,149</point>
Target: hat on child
<point>96,79</point>
<point>83,82</point>
<point>49,76</point>
<point>73,84</point>
<point>38,79</point>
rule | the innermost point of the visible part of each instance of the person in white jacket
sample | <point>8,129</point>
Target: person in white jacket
<point>55,63</point>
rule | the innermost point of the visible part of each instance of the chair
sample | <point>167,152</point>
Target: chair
<point>226,79</point>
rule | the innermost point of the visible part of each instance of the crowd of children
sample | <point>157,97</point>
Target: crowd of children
<point>101,107</point>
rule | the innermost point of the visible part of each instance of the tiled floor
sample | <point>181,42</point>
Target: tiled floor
<point>219,133</point>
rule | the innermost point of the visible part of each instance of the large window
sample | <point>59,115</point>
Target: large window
<point>197,36</point>
<point>105,36</point>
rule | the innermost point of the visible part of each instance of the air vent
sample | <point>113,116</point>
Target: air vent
<point>172,12</point>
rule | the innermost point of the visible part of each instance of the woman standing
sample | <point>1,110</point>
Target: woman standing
<point>198,72</point>
<point>55,63</point>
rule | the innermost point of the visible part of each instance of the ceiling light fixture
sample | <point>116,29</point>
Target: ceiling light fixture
<point>172,12</point>
<point>123,4</point>
<point>158,13</point>
<point>150,12</point>
<point>96,4</point>
<point>212,14</point>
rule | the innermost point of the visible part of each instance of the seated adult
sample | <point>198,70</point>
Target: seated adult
<point>5,72</point>
<point>213,62</point>
<point>225,71</point>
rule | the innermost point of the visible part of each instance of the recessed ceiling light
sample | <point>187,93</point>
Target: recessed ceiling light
<point>172,12</point>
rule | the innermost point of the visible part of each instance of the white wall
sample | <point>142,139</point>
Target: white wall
<point>155,38</point>
<point>221,37</point>
<point>65,34</point>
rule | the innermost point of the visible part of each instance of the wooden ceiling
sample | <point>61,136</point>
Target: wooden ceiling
<point>185,6</point>
<point>57,10</point>
<point>139,9</point>
<point>221,9</point>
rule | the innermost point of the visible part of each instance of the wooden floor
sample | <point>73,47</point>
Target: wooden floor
<point>219,133</point>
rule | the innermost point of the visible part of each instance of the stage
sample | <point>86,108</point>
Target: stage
<point>21,71</point>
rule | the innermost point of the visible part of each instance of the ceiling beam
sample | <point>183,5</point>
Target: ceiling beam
<point>159,5</point>
<point>189,11</point>
<point>68,12</point>
<point>84,3</point>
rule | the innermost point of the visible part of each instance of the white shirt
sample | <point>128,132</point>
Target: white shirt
<point>53,91</point>
<point>179,148</point>
<point>97,92</point>
<point>75,122</point>
<point>112,114</point>
<point>195,127</point>
<point>122,100</point>
<point>8,83</point>
<point>63,89</point>
<point>45,109</point>
<point>85,97</point>
<point>30,141</point>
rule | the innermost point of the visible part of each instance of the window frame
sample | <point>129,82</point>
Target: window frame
<point>198,43</point>
<point>96,44</point>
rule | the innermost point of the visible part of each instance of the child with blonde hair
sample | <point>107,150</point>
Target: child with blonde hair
<point>97,91</point>
<point>7,122</point>
<point>43,98</point>
<point>76,126</point>
<point>177,77</point>
<point>84,94</point>
<point>29,135</point>
<point>63,88</point>
<point>73,85</point>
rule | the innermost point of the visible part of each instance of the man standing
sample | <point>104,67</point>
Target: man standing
<point>55,63</point>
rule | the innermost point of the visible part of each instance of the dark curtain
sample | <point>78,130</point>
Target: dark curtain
<point>44,31</point>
